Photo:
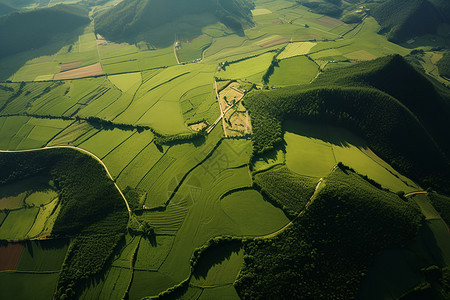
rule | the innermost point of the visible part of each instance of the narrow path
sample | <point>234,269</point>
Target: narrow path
<point>83,151</point>
<point>415,193</point>
<point>271,235</point>
<point>175,52</point>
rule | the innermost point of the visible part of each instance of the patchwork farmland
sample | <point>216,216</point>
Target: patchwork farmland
<point>223,157</point>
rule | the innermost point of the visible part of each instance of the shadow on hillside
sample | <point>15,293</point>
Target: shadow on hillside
<point>215,256</point>
<point>326,133</point>
<point>9,65</point>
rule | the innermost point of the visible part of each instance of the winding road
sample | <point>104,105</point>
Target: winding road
<point>85,152</point>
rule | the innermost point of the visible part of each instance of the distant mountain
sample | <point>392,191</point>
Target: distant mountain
<point>6,9</point>
<point>159,21</point>
<point>22,31</point>
<point>405,19</point>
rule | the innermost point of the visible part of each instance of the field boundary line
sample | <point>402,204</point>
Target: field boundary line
<point>311,199</point>
<point>85,152</point>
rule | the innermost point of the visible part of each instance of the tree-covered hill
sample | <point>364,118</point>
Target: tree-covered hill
<point>402,119</point>
<point>405,19</point>
<point>160,21</point>
<point>22,31</point>
<point>328,250</point>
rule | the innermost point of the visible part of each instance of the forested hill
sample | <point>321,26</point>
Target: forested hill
<point>401,114</point>
<point>393,75</point>
<point>158,21</point>
<point>23,31</point>
<point>404,19</point>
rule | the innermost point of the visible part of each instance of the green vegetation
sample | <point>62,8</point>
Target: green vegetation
<point>43,255</point>
<point>391,132</point>
<point>91,208</point>
<point>326,252</point>
<point>262,193</point>
<point>442,205</point>
<point>158,21</point>
<point>405,19</point>
<point>33,31</point>
<point>294,71</point>
<point>27,285</point>
<point>286,189</point>
<point>252,213</point>
<point>444,65</point>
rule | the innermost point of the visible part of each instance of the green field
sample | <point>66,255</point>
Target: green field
<point>18,223</point>
<point>252,213</point>
<point>43,255</point>
<point>146,283</point>
<point>251,69</point>
<point>313,150</point>
<point>27,285</point>
<point>218,267</point>
<point>296,49</point>
<point>295,70</point>
<point>41,198</point>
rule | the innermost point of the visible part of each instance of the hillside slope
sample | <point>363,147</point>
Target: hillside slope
<point>402,119</point>
<point>23,31</point>
<point>159,21</point>
<point>404,19</point>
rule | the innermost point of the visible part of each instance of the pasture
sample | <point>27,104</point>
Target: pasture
<point>294,71</point>
<point>27,285</point>
<point>18,223</point>
<point>313,150</point>
<point>296,49</point>
<point>251,69</point>
<point>43,255</point>
<point>253,215</point>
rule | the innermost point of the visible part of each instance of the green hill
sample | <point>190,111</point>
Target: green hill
<point>326,252</point>
<point>405,19</point>
<point>28,30</point>
<point>400,114</point>
<point>159,21</point>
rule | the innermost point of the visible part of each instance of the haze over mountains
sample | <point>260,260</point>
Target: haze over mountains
<point>405,19</point>
<point>161,21</point>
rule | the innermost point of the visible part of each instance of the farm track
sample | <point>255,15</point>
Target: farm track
<point>271,235</point>
<point>426,193</point>
<point>85,152</point>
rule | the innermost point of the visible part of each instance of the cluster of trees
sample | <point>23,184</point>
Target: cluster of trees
<point>444,65</point>
<point>285,189</point>
<point>325,253</point>
<point>442,204</point>
<point>92,210</point>
<point>180,138</point>
<point>217,242</point>
<point>389,113</point>
<point>89,253</point>
<point>108,125</point>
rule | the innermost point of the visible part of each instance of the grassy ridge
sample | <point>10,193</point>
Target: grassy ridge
<point>328,250</point>
<point>388,126</point>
